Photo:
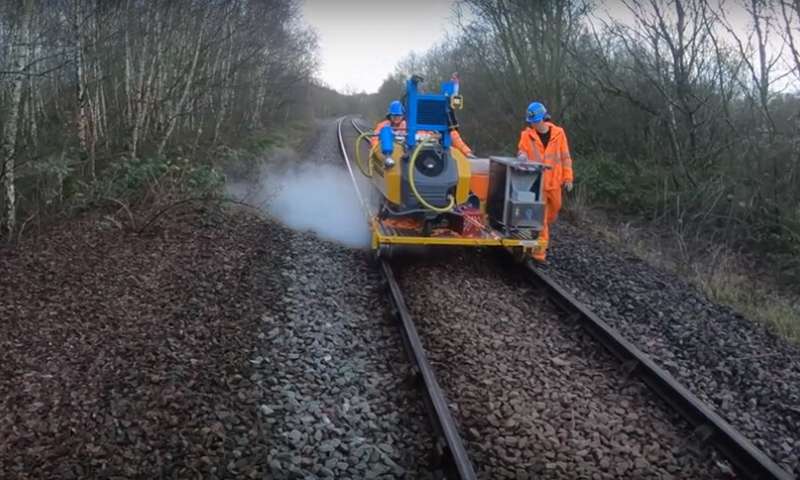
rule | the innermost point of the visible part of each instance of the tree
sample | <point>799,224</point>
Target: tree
<point>20,35</point>
<point>90,85</point>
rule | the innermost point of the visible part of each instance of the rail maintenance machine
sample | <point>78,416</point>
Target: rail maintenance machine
<point>432,194</point>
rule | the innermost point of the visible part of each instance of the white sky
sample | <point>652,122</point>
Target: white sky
<point>362,41</point>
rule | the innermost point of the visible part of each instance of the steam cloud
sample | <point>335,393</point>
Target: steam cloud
<point>311,197</point>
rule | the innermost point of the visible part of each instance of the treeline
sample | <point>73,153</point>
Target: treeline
<point>681,110</point>
<point>92,89</point>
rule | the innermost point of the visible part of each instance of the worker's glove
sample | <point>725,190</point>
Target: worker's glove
<point>522,157</point>
<point>568,186</point>
<point>471,155</point>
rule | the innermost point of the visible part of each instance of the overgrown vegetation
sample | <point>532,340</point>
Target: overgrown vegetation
<point>141,102</point>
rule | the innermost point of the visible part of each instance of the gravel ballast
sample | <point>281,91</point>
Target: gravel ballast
<point>213,345</point>
<point>534,396</point>
<point>338,403</point>
<point>342,405</point>
<point>748,375</point>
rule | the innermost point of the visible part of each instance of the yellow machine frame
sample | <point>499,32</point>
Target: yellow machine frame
<point>379,239</point>
<point>389,180</point>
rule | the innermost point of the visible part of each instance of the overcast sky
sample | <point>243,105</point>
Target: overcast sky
<point>362,41</point>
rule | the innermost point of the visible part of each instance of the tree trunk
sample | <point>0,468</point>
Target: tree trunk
<point>83,121</point>
<point>128,82</point>
<point>31,100</point>
<point>145,82</point>
<point>187,88</point>
<point>19,55</point>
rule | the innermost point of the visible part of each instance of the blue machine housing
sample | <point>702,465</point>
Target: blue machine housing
<point>436,171</point>
<point>387,140</point>
<point>428,111</point>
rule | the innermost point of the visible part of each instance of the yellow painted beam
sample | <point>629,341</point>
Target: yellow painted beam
<point>453,241</point>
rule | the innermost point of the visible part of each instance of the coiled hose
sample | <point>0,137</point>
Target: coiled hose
<point>368,171</point>
<point>419,198</point>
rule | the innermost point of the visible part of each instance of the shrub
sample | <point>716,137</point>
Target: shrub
<point>154,180</point>
<point>609,181</point>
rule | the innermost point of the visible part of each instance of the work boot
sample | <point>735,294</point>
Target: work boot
<point>539,252</point>
<point>539,256</point>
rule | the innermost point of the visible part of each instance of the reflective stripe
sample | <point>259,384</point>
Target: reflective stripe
<point>535,151</point>
<point>559,158</point>
<point>553,157</point>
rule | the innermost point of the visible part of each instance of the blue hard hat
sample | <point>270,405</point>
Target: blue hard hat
<point>536,113</point>
<point>396,108</point>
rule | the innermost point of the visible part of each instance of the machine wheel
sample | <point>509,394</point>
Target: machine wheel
<point>427,227</point>
<point>385,252</point>
<point>519,254</point>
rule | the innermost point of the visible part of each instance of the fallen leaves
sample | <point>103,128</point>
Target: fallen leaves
<point>118,351</point>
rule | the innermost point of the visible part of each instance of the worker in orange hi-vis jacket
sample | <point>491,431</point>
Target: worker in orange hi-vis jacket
<point>544,142</point>
<point>395,118</point>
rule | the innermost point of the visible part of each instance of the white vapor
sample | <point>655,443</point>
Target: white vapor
<point>310,197</point>
<point>321,198</point>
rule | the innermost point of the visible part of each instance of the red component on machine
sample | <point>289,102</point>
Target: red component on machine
<point>468,222</point>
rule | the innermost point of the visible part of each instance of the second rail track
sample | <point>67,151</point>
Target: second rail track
<point>749,461</point>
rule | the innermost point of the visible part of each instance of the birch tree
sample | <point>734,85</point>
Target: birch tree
<point>189,77</point>
<point>790,10</point>
<point>87,84</point>
<point>18,68</point>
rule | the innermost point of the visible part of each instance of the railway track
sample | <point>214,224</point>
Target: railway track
<point>450,456</point>
<point>452,459</point>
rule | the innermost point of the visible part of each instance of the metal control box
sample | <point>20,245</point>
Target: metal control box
<point>515,199</point>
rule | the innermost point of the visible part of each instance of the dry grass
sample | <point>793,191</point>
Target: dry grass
<point>727,280</point>
<point>726,277</point>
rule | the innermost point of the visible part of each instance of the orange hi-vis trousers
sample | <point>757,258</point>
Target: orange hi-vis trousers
<point>552,205</point>
<point>556,156</point>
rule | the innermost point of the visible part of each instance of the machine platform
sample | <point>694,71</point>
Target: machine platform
<point>433,193</point>
<point>406,231</point>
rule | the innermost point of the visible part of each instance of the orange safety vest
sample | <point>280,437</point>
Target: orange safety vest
<point>458,142</point>
<point>379,127</point>
<point>556,155</point>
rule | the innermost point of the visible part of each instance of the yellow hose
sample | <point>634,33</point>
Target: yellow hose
<point>367,173</point>
<point>414,187</point>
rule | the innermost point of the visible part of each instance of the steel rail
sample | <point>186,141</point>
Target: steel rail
<point>451,456</point>
<point>750,462</point>
<point>359,128</point>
